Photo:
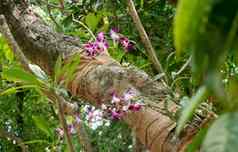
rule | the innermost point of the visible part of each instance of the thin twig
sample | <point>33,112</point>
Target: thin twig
<point>5,30</point>
<point>85,26</point>
<point>145,39</point>
<point>51,16</point>
<point>83,138</point>
<point>62,5</point>
<point>59,101</point>
<point>183,67</point>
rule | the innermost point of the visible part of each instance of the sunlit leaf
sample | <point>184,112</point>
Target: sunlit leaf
<point>222,135</point>
<point>71,68</point>
<point>92,21</point>
<point>205,27</point>
<point>43,125</point>
<point>38,72</point>
<point>191,17</point>
<point>14,90</point>
<point>57,68</point>
<point>197,140</point>
<point>36,142</point>
<point>17,74</point>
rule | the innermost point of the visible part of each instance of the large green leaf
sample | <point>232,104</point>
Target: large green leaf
<point>197,140</point>
<point>38,72</point>
<point>17,74</point>
<point>43,125</point>
<point>191,17</point>
<point>14,90</point>
<point>68,70</point>
<point>222,135</point>
<point>205,27</point>
<point>92,21</point>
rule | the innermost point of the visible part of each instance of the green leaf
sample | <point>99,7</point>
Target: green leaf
<point>92,21</point>
<point>14,90</point>
<point>17,74</point>
<point>57,68</point>
<point>36,142</point>
<point>188,111</point>
<point>38,72</point>
<point>67,70</point>
<point>197,140</point>
<point>222,135</point>
<point>205,27</point>
<point>71,68</point>
<point>190,19</point>
<point>43,125</point>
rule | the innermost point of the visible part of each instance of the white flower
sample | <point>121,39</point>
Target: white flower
<point>103,107</point>
<point>115,99</point>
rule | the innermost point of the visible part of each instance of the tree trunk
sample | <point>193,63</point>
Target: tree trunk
<point>97,78</point>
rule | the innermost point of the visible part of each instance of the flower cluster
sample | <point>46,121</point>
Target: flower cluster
<point>120,105</point>
<point>94,117</point>
<point>124,41</point>
<point>97,47</point>
<point>100,44</point>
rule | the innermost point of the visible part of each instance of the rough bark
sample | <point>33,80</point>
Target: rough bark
<point>97,78</point>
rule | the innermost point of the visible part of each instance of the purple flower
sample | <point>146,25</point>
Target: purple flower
<point>116,115</point>
<point>77,119</point>
<point>101,46</point>
<point>100,37</point>
<point>89,49</point>
<point>135,107</point>
<point>127,45</point>
<point>114,34</point>
<point>60,132</point>
<point>115,99</point>
<point>71,129</point>
<point>95,48</point>
<point>129,95</point>
<point>90,116</point>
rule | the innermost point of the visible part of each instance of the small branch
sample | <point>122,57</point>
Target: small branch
<point>62,5</point>
<point>59,101</point>
<point>83,138</point>
<point>85,26</point>
<point>144,38</point>
<point>51,16</point>
<point>183,67</point>
<point>5,30</point>
<point>11,136</point>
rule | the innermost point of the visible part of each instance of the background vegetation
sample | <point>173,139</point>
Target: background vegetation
<point>210,77</point>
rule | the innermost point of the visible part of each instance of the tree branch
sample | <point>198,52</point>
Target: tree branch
<point>96,79</point>
<point>145,39</point>
<point>4,29</point>
<point>59,100</point>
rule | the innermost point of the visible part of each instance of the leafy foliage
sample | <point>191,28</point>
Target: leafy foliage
<point>203,29</point>
<point>222,136</point>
